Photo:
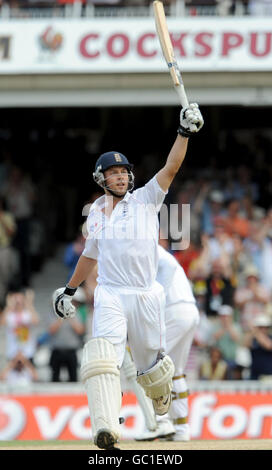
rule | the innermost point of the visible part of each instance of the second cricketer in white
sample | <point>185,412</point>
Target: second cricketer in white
<point>128,304</point>
<point>181,320</point>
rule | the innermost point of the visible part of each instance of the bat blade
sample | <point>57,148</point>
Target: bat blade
<point>168,51</point>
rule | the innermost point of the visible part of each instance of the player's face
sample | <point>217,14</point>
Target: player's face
<point>117,179</point>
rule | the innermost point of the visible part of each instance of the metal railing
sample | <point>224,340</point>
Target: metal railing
<point>89,10</point>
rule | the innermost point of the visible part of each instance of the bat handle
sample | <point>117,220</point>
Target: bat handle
<point>182,96</point>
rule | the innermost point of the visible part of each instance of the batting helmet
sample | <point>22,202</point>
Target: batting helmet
<point>107,160</point>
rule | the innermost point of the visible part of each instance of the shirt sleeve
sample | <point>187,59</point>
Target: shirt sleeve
<point>91,248</point>
<point>151,193</point>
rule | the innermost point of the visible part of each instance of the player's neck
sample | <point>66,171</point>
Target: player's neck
<point>110,202</point>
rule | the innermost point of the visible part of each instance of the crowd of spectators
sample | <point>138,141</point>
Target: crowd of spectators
<point>229,265</point>
<point>228,260</point>
<point>19,319</point>
<point>193,7</point>
<point>26,334</point>
<point>20,238</point>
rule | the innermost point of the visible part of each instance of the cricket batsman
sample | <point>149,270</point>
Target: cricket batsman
<point>129,303</point>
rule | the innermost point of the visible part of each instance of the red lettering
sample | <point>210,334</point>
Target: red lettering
<point>83,46</point>
<point>112,45</point>
<point>205,47</point>
<point>267,45</point>
<point>231,41</point>
<point>141,45</point>
<point>177,43</point>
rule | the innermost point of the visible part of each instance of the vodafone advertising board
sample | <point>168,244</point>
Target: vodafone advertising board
<point>131,45</point>
<point>212,416</point>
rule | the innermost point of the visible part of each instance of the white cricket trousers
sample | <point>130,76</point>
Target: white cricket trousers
<point>181,323</point>
<point>131,315</point>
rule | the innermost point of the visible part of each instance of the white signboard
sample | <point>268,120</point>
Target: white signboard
<point>130,45</point>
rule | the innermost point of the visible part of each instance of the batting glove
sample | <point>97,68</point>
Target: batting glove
<point>62,302</point>
<point>191,120</point>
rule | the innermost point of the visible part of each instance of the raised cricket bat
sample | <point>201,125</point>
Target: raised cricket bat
<point>168,52</point>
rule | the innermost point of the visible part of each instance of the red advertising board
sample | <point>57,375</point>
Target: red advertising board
<point>213,415</point>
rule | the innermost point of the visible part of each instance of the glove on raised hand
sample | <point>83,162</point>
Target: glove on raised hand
<point>191,120</point>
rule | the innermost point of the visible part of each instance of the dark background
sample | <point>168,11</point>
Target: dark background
<point>58,148</point>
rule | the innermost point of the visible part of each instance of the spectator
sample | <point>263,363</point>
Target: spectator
<point>73,252</point>
<point>240,184</point>
<point>209,206</point>
<point>20,195</point>
<point>19,371</point>
<point>204,330</point>
<point>94,2</point>
<point>258,246</point>
<point>19,318</point>
<point>89,288</point>
<point>249,210</point>
<point>7,258</point>
<point>202,337</point>
<point>260,7</point>
<point>251,298</point>
<point>223,7</point>
<point>265,250</point>
<point>239,260</point>
<point>240,7</point>
<point>233,222</point>
<point>65,342</point>
<point>80,301</point>
<point>214,368</point>
<point>199,266</point>
<point>227,336</point>
<point>259,341</point>
<point>220,244</point>
<point>5,166</point>
<point>187,257</point>
<point>268,223</point>
<point>187,195</point>
<point>253,242</point>
<point>220,289</point>
<point>214,211</point>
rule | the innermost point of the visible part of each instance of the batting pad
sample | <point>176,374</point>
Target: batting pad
<point>157,381</point>
<point>101,377</point>
<point>130,372</point>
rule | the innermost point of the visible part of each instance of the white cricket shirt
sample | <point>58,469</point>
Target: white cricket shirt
<point>172,277</point>
<point>125,244</point>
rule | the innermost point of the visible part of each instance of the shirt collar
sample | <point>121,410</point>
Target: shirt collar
<point>127,197</point>
<point>99,203</point>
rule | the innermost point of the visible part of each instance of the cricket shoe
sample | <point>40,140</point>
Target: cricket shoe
<point>164,429</point>
<point>161,405</point>
<point>179,437</point>
<point>105,440</point>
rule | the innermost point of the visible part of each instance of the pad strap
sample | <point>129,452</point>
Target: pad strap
<point>98,367</point>
<point>176,395</point>
<point>181,420</point>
